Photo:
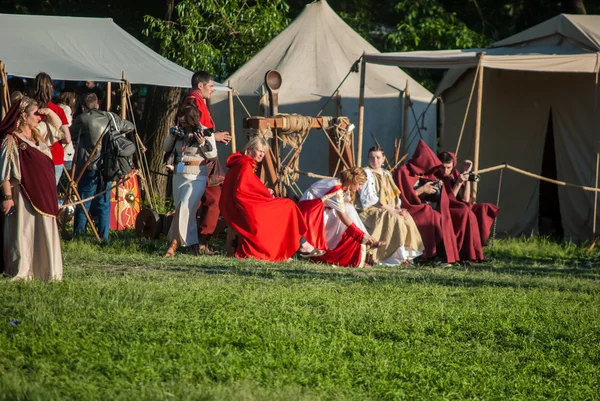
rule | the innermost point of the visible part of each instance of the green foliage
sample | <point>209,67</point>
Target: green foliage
<point>217,36</point>
<point>425,24</point>
<point>126,324</point>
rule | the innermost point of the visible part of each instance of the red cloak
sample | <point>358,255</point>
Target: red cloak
<point>348,252</point>
<point>435,226</point>
<point>270,228</point>
<point>483,213</point>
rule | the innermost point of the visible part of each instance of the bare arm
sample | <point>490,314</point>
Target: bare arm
<point>7,204</point>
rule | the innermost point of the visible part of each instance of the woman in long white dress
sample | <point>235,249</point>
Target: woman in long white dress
<point>31,242</point>
<point>191,150</point>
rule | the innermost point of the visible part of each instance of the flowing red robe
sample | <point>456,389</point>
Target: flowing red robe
<point>348,252</point>
<point>435,226</point>
<point>270,228</point>
<point>483,213</point>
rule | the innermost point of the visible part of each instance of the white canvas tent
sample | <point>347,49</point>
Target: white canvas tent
<point>538,85</point>
<point>313,54</point>
<point>82,49</point>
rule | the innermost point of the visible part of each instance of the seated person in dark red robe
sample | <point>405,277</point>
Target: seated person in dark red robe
<point>458,186</point>
<point>270,228</point>
<point>427,203</point>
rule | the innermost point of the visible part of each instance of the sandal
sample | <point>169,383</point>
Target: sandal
<point>312,254</point>
<point>171,250</point>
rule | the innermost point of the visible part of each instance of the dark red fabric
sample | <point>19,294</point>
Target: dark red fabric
<point>8,125</point>
<point>435,226</point>
<point>484,213</point>
<point>270,228</point>
<point>205,118</point>
<point>209,210</point>
<point>57,150</point>
<point>348,251</point>
<point>37,178</point>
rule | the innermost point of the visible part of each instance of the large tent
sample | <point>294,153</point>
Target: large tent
<point>539,113</point>
<point>314,54</point>
<point>82,49</point>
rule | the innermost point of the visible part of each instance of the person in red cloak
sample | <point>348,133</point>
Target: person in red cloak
<point>203,86</point>
<point>416,181</point>
<point>458,187</point>
<point>270,228</point>
<point>333,223</point>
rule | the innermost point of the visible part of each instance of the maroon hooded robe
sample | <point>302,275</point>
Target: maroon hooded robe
<point>484,213</point>
<point>435,226</point>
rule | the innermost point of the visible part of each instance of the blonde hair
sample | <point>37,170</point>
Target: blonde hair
<point>353,175</point>
<point>26,106</point>
<point>254,143</point>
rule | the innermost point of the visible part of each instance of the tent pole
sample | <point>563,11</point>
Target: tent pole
<point>231,118</point>
<point>406,105</point>
<point>361,112</point>
<point>5,99</point>
<point>477,124</point>
<point>123,96</point>
<point>108,95</point>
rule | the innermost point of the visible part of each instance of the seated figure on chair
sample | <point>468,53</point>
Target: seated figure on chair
<point>383,216</point>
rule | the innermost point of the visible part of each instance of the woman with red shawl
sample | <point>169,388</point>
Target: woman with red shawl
<point>417,182</point>
<point>270,228</point>
<point>31,243</point>
<point>333,223</point>
<point>458,188</point>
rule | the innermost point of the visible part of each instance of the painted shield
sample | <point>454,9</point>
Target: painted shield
<point>125,203</point>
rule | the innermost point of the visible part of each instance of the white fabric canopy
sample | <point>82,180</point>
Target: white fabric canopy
<point>82,49</point>
<point>314,54</point>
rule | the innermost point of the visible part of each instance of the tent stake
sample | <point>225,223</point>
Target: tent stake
<point>477,124</point>
<point>231,118</point>
<point>361,112</point>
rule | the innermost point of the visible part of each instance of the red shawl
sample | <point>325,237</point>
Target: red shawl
<point>270,228</point>
<point>196,97</point>
<point>348,251</point>
<point>435,227</point>
<point>37,178</point>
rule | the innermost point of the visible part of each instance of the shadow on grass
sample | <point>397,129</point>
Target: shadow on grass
<point>508,277</point>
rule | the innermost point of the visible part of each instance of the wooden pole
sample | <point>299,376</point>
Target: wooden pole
<point>406,106</point>
<point>5,98</point>
<point>596,196</point>
<point>361,112</point>
<point>477,125</point>
<point>123,96</point>
<point>231,118</point>
<point>108,95</point>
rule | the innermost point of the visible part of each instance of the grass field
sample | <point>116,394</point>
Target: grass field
<point>126,324</point>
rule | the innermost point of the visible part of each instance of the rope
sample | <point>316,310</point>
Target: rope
<point>312,175</point>
<point>117,183</point>
<point>354,68</point>
<point>497,205</point>
<point>237,94</point>
<point>468,106</point>
<point>539,177</point>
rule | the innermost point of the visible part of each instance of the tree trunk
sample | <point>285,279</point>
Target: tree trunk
<point>574,7</point>
<point>159,116</point>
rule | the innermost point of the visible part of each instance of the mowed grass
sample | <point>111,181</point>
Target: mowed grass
<point>126,324</point>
